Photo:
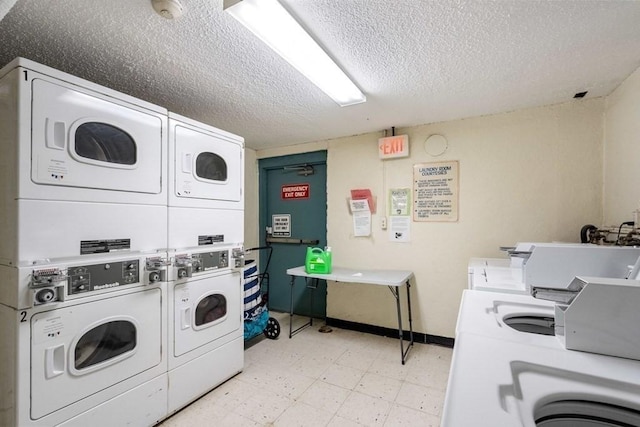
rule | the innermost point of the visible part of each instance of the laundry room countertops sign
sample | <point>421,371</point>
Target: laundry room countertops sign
<point>435,191</point>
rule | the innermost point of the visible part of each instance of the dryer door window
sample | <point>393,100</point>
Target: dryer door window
<point>208,166</point>
<point>211,167</point>
<point>209,310</point>
<point>103,343</point>
<point>102,142</point>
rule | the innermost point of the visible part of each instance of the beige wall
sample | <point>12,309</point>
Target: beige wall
<point>622,152</point>
<point>530,175</point>
<point>251,234</point>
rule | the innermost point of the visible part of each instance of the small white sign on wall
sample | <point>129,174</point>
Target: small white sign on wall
<point>281,224</point>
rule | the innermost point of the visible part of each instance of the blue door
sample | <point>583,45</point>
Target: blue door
<point>293,216</point>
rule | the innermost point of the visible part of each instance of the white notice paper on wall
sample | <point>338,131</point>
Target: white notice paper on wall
<point>361,217</point>
<point>399,228</point>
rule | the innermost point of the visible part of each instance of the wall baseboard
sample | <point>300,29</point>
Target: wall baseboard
<point>388,332</point>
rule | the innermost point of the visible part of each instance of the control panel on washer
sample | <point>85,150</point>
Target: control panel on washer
<point>186,264</point>
<point>210,261</point>
<point>87,278</point>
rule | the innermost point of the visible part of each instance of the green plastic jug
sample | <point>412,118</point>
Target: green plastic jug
<point>317,261</point>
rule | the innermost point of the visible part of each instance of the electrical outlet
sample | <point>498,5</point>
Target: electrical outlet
<point>383,223</point>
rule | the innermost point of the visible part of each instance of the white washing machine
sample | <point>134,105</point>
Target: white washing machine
<point>550,264</point>
<point>87,345</point>
<point>507,370</point>
<point>206,344</point>
<point>496,382</point>
<point>495,275</point>
<point>206,180</point>
<point>83,167</point>
<point>507,316</point>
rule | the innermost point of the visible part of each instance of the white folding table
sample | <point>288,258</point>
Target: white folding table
<point>390,278</point>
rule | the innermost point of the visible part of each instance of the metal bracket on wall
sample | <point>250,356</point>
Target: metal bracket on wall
<point>303,170</point>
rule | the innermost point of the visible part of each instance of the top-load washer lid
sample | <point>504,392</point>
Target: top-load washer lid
<point>580,413</point>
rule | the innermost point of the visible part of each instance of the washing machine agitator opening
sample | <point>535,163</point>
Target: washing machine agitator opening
<point>580,413</point>
<point>541,325</point>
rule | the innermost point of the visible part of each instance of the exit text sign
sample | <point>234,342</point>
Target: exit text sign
<point>393,146</point>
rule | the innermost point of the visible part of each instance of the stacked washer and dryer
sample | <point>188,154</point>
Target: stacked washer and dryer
<point>206,233</point>
<point>86,299</point>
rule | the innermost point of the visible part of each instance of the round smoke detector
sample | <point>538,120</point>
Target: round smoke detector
<point>169,9</point>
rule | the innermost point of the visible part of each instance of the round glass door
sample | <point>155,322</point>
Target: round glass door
<point>103,142</point>
<point>105,342</point>
<point>211,167</point>
<point>210,309</point>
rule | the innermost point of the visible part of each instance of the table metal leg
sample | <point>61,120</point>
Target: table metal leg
<point>409,309</point>
<point>293,279</point>
<point>396,294</point>
<point>310,321</point>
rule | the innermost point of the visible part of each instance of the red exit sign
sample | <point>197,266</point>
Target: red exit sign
<point>393,146</point>
<point>295,191</point>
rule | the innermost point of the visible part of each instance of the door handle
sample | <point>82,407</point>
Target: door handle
<point>187,163</point>
<point>185,318</point>
<point>55,134</point>
<point>291,241</point>
<point>54,361</point>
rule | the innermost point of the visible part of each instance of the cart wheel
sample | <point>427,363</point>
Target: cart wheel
<point>272,331</point>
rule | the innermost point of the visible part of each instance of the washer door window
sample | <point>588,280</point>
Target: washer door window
<point>84,349</point>
<point>98,143</point>
<point>105,344</point>
<point>207,312</point>
<point>210,309</point>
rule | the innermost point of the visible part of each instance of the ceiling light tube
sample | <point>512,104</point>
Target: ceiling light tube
<point>272,24</point>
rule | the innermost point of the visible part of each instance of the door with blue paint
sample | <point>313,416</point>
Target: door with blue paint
<point>293,208</point>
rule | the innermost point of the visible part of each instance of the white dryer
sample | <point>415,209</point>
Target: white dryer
<point>206,180</point>
<point>206,345</point>
<point>82,166</point>
<point>89,348</point>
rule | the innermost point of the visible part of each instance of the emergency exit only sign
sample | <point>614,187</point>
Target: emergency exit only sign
<point>295,191</point>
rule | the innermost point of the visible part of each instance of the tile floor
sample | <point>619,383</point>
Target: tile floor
<point>341,378</point>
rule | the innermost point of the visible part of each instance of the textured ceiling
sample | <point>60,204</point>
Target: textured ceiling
<point>417,61</point>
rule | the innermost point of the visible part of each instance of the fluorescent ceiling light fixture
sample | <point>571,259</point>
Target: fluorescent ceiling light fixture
<point>268,20</point>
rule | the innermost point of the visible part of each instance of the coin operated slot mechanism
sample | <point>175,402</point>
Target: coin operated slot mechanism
<point>184,266</point>
<point>47,285</point>
<point>238,256</point>
<point>156,269</point>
